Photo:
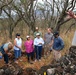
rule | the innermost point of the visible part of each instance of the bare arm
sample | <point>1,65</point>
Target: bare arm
<point>15,43</point>
<point>52,41</point>
<point>6,50</point>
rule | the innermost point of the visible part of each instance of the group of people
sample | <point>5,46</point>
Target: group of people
<point>33,47</point>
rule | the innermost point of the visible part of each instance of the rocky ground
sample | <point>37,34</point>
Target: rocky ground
<point>65,66</point>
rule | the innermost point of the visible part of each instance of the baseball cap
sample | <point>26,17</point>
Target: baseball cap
<point>17,34</point>
<point>56,33</point>
<point>27,36</point>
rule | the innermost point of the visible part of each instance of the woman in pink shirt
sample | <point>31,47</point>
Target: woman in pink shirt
<point>29,48</point>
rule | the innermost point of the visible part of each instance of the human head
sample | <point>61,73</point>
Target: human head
<point>10,46</point>
<point>37,28</point>
<point>18,35</point>
<point>38,35</point>
<point>28,37</point>
<point>49,30</point>
<point>56,34</point>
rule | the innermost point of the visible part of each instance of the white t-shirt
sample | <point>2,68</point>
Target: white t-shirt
<point>18,43</point>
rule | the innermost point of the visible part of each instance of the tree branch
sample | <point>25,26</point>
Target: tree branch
<point>69,28</point>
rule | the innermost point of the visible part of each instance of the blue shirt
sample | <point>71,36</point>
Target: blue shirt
<point>58,43</point>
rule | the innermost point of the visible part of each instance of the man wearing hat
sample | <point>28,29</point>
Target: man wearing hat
<point>58,45</point>
<point>37,31</point>
<point>38,42</point>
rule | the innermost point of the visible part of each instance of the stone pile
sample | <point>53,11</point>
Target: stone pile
<point>66,65</point>
<point>13,69</point>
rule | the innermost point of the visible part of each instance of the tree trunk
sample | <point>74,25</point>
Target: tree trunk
<point>10,31</point>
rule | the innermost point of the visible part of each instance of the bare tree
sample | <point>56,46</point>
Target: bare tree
<point>53,12</point>
<point>27,11</point>
<point>7,8</point>
<point>57,9</point>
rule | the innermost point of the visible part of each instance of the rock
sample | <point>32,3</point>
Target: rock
<point>51,71</point>
<point>66,65</point>
<point>14,69</point>
<point>1,71</point>
<point>31,71</point>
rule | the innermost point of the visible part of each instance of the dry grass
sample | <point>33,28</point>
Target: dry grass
<point>67,40</point>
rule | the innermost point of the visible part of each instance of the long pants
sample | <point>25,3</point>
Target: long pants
<point>6,58</point>
<point>47,50</point>
<point>38,50</point>
<point>30,55</point>
<point>56,54</point>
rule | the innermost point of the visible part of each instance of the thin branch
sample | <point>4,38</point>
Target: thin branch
<point>72,3</point>
<point>69,28</point>
<point>9,15</point>
<point>6,4</point>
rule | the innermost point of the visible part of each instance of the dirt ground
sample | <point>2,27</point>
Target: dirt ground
<point>36,65</point>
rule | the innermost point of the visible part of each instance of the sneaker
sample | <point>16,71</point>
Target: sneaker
<point>20,60</point>
<point>31,62</point>
<point>39,59</point>
<point>35,60</point>
<point>9,65</point>
<point>16,62</point>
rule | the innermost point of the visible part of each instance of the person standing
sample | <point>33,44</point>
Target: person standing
<point>48,39</point>
<point>38,42</point>
<point>17,47</point>
<point>5,50</point>
<point>29,49</point>
<point>58,45</point>
<point>37,31</point>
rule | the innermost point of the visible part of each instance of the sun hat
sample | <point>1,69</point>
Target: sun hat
<point>37,34</point>
<point>27,36</point>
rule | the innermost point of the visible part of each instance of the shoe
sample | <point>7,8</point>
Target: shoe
<point>9,65</point>
<point>31,62</point>
<point>50,51</point>
<point>16,62</point>
<point>20,60</point>
<point>39,59</point>
<point>35,60</point>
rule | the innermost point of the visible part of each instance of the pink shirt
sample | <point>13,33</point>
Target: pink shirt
<point>29,46</point>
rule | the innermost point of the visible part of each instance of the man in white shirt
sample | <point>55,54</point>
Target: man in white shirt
<point>38,42</point>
